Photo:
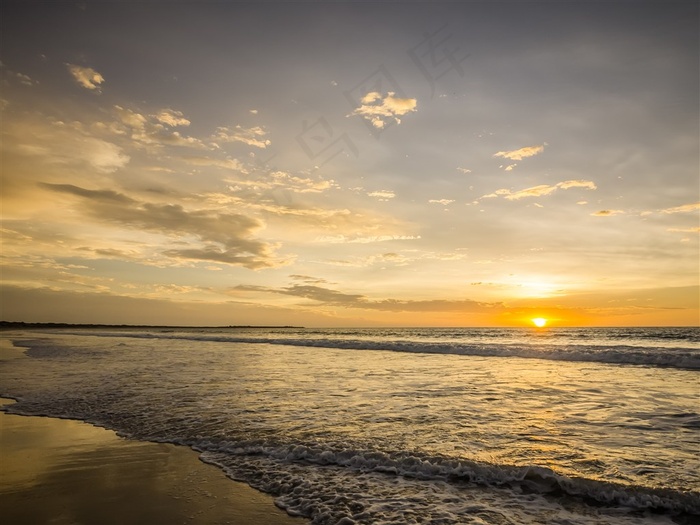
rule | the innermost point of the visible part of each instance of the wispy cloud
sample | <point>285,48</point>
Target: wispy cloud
<point>151,130</point>
<point>522,153</point>
<point>607,213</point>
<point>86,77</point>
<point>343,239</point>
<point>254,136</point>
<point>330,297</point>
<point>280,180</point>
<point>23,79</point>
<point>227,163</point>
<point>58,143</point>
<point>381,110</point>
<point>171,117</point>
<point>213,236</point>
<point>682,209</point>
<point>382,195</point>
<point>541,190</point>
<point>685,230</point>
<point>307,279</point>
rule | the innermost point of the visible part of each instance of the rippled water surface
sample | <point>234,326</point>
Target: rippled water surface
<point>460,426</point>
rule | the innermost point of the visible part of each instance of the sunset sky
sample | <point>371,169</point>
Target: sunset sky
<point>336,164</point>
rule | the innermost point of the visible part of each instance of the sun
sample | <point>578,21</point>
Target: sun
<point>539,322</point>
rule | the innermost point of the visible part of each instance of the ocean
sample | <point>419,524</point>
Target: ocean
<point>399,426</point>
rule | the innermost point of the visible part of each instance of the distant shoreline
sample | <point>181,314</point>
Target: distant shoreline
<point>20,325</point>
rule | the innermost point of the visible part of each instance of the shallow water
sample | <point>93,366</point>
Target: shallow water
<point>457,426</point>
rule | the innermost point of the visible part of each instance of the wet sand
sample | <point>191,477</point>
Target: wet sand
<point>68,472</point>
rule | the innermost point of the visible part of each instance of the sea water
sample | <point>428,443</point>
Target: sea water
<point>400,426</point>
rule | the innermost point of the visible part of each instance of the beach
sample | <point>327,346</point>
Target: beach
<point>365,426</point>
<point>62,471</point>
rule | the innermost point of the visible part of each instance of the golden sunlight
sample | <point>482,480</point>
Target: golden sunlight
<point>539,322</point>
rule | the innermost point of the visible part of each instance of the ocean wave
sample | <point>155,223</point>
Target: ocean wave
<point>679,357</point>
<point>530,479</point>
<point>329,485</point>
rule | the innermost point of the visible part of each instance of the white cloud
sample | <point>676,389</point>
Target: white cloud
<point>682,209</point>
<point>300,184</point>
<point>103,156</point>
<point>685,230</point>
<point>281,180</point>
<point>383,110</point>
<point>444,202</point>
<point>86,77</point>
<point>254,136</point>
<point>152,130</point>
<point>25,79</point>
<point>342,239</point>
<point>522,153</point>
<point>464,170</point>
<point>172,118</point>
<point>228,164</point>
<point>130,118</point>
<point>541,190</point>
<point>58,143</point>
<point>382,195</point>
<point>577,184</point>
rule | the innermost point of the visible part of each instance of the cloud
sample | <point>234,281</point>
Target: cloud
<point>217,254</point>
<point>323,295</point>
<point>342,239</point>
<point>404,258</point>
<point>86,77</point>
<point>300,184</point>
<point>281,180</point>
<point>218,237</point>
<point>307,279</point>
<point>464,170</point>
<point>227,164</point>
<point>607,213</point>
<point>682,209</point>
<point>522,153</point>
<point>330,297</point>
<point>444,202</point>
<point>381,111</point>
<point>151,130</point>
<point>685,230</point>
<point>172,118</point>
<point>577,184</point>
<point>541,190</point>
<point>382,195</point>
<point>130,118</point>
<point>23,79</point>
<point>103,156</point>
<point>58,143</point>
<point>250,136</point>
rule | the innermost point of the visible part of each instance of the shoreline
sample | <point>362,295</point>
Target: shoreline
<point>67,471</point>
<point>21,325</point>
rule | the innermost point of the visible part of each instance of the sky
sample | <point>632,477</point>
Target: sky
<point>357,164</point>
